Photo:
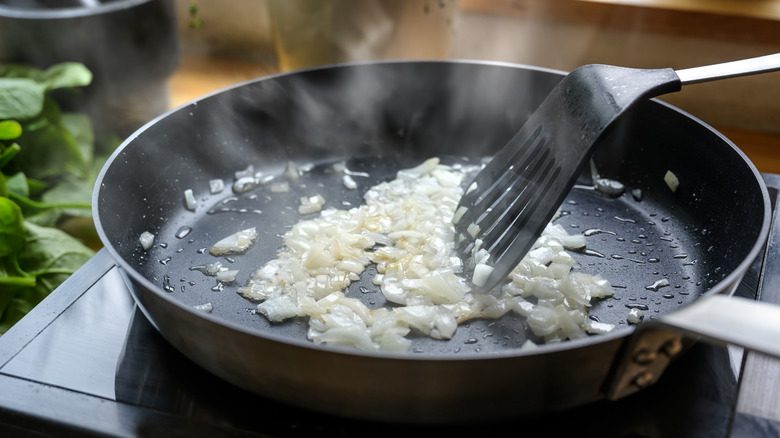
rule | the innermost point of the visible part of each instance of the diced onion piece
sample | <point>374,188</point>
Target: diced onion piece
<point>264,179</point>
<point>349,182</point>
<point>291,172</point>
<point>235,243</point>
<point>569,241</point>
<point>340,167</point>
<point>599,328</point>
<point>422,169</point>
<point>216,186</point>
<point>459,214</point>
<point>635,316</point>
<point>279,309</point>
<point>529,345</point>
<point>481,274</point>
<point>609,187</point>
<point>481,256</point>
<point>214,268</point>
<point>311,204</point>
<point>189,200</point>
<point>671,180</point>
<point>207,307</point>
<point>244,184</point>
<point>227,276</point>
<point>146,240</point>
<point>280,187</point>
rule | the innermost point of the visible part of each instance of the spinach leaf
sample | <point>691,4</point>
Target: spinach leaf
<point>10,129</point>
<point>48,167</point>
<point>17,183</point>
<point>20,98</point>
<point>49,149</point>
<point>11,228</point>
<point>51,256</point>
<point>62,75</point>
<point>66,75</point>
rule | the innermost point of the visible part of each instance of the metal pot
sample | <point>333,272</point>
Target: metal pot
<point>130,46</point>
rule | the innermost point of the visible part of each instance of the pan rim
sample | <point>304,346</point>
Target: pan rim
<point>723,286</point>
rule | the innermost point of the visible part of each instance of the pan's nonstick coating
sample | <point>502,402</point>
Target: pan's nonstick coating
<point>636,243</point>
<point>379,118</point>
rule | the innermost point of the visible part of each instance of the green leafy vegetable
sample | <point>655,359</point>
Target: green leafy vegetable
<point>48,166</point>
<point>10,129</point>
<point>11,228</point>
<point>20,98</point>
<point>49,257</point>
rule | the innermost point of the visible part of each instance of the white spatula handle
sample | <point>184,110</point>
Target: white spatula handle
<point>731,69</point>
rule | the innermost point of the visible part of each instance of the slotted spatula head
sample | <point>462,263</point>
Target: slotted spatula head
<point>516,194</point>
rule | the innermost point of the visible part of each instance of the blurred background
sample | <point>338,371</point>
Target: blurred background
<point>182,49</point>
<point>242,39</point>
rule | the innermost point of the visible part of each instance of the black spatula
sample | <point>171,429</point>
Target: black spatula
<point>513,198</point>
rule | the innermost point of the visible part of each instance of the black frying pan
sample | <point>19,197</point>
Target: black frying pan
<point>381,117</point>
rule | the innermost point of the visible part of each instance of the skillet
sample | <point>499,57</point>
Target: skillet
<point>380,117</point>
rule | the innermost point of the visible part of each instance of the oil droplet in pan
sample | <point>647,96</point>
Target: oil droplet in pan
<point>167,284</point>
<point>658,285</point>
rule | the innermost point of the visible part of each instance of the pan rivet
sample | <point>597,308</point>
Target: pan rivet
<point>643,380</point>
<point>644,357</point>
<point>672,347</point>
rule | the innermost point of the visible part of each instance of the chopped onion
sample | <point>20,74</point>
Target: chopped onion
<point>481,274</point>
<point>340,167</point>
<point>213,268</point>
<point>635,316</point>
<point>349,182</point>
<point>264,179</point>
<point>208,307</point>
<point>311,204</point>
<point>244,184</point>
<point>189,200</point>
<point>405,229</point>
<point>291,172</point>
<point>235,243</point>
<point>216,186</point>
<point>280,187</point>
<point>227,276</point>
<point>607,186</point>
<point>459,214</point>
<point>671,180</point>
<point>146,239</point>
<point>473,230</point>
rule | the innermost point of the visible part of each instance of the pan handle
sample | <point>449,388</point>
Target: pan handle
<point>716,318</point>
<point>731,320</point>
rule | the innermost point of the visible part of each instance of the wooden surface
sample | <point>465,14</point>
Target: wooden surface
<point>198,76</point>
<point>727,21</point>
<point>747,8</point>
